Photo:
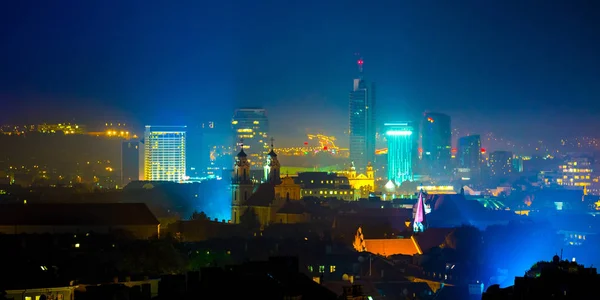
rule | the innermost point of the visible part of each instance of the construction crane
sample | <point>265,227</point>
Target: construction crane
<point>326,142</point>
<point>381,151</point>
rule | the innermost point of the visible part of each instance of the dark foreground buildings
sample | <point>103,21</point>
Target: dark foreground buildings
<point>550,280</point>
<point>78,218</point>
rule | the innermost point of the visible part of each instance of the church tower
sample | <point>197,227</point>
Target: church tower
<point>370,172</point>
<point>274,167</point>
<point>241,185</point>
<point>352,171</point>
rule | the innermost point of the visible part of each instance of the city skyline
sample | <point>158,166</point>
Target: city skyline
<point>450,66</point>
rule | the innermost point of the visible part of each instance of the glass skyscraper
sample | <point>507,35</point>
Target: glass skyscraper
<point>252,127</point>
<point>436,144</point>
<point>400,151</point>
<point>469,154</point>
<point>362,121</point>
<point>164,153</point>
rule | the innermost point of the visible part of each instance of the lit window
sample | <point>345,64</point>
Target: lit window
<point>331,269</point>
<point>321,269</point>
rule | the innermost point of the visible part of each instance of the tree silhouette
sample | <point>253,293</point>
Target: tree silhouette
<point>203,259</point>
<point>467,243</point>
<point>249,220</point>
<point>199,216</point>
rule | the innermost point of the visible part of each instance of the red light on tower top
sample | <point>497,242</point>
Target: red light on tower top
<point>482,150</point>
<point>360,62</point>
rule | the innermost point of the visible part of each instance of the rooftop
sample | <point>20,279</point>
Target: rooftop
<point>77,214</point>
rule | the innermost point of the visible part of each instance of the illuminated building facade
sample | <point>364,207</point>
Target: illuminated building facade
<point>251,126</point>
<point>362,183</point>
<point>469,154</point>
<point>131,161</point>
<point>436,144</point>
<point>164,153</point>
<point>325,185</point>
<point>437,189</point>
<point>400,141</point>
<point>576,172</point>
<point>362,121</point>
<point>501,163</point>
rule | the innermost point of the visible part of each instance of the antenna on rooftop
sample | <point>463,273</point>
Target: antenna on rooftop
<point>561,253</point>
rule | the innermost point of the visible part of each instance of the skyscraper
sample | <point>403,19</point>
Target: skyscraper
<point>400,141</point>
<point>164,153</point>
<point>501,164</point>
<point>436,144</point>
<point>362,121</point>
<point>131,158</point>
<point>469,154</point>
<point>252,126</point>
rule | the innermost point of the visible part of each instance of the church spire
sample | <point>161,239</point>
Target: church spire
<point>419,213</point>
<point>272,153</point>
<point>242,167</point>
<point>274,166</point>
<point>242,153</point>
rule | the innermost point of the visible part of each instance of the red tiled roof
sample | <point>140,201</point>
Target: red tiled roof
<point>387,247</point>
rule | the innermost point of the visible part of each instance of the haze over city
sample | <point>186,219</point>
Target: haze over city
<point>422,150</point>
<point>519,69</point>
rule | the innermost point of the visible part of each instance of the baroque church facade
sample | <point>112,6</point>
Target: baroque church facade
<point>363,184</point>
<point>277,200</point>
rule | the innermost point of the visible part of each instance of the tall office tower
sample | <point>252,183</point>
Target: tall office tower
<point>400,145</point>
<point>362,121</point>
<point>164,153</point>
<point>251,128</point>
<point>436,144</point>
<point>501,163</point>
<point>131,161</point>
<point>469,154</point>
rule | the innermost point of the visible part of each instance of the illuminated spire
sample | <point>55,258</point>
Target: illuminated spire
<point>419,213</point>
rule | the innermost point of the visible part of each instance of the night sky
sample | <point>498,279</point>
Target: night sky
<point>522,69</point>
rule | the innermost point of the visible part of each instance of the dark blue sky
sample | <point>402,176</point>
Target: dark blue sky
<point>492,65</point>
